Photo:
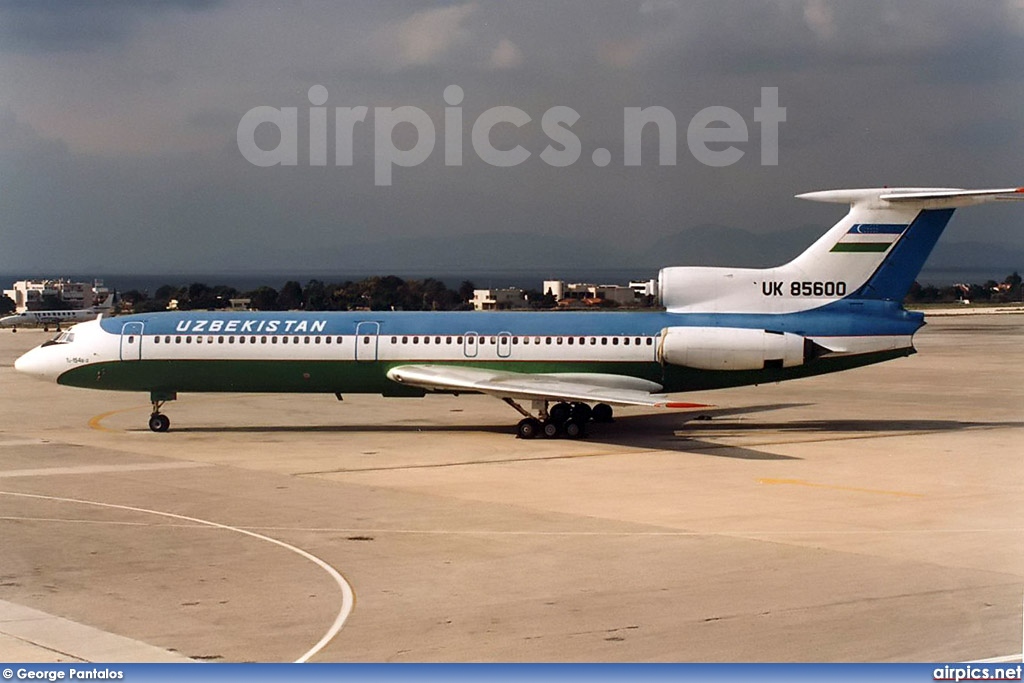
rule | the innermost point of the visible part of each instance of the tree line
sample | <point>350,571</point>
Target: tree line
<point>1007,291</point>
<point>384,293</point>
<point>378,293</point>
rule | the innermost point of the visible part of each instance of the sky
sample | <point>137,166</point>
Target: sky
<point>120,120</point>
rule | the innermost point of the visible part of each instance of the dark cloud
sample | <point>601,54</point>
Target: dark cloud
<point>78,25</point>
<point>128,155</point>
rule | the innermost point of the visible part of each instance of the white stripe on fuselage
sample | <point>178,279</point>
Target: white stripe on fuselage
<point>405,348</point>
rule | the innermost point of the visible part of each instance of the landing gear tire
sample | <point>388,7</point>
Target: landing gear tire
<point>550,430</point>
<point>574,429</point>
<point>602,413</point>
<point>159,423</point>
<point>559,413</point>
<point>581,412</point>
<point>528,428</point>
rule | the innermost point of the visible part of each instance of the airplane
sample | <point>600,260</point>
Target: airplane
<point>836,306</point>
<point>57,318</point>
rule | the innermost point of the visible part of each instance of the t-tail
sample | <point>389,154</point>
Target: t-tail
<point>874,253</point>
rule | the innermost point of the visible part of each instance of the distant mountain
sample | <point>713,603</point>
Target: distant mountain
<point>501,251</point>
<point>718,245</point>
<point>977,256</point>
<point>701,245</point>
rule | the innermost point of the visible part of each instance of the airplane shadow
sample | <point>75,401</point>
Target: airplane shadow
<point>679,432</point>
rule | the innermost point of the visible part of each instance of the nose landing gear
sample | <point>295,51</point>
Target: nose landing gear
<point>158,422</point>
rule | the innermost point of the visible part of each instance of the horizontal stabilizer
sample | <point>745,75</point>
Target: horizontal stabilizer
<point>914,197</point>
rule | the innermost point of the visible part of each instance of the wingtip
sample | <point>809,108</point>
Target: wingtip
<point>678,405</point>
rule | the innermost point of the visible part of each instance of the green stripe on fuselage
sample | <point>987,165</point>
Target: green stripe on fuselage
<point>350,377</point>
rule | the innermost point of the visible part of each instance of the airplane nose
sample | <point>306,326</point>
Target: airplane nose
<point>35,363</point>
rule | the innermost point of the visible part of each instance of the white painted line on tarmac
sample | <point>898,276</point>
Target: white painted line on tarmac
<point>100,469</point>
<point>72,639</point>
<point>347,595</point>
<point>1005,659</point>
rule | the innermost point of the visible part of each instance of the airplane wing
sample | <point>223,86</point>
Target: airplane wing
<point>577,386</point>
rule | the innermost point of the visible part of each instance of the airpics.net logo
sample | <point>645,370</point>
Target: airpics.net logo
<point>713,135</point>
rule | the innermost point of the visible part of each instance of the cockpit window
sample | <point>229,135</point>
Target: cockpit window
<point>62,338</point>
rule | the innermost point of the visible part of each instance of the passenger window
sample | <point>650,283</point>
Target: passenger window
<point>188,340</point>
<point>241,340</point>
<point>394,340</point>
<point>327,340</point>
<point>177,340</point>
<point>273,340</point>
<point>559,340</point>
<point>156,339</point>
<point>448,340</point>
<point>615,341</point>
<point>209,340</point>
<point>305,340</point>
<point>339,340</point>
<point>415,340</point>
<point>131,338</point>
<point>604,341</point>
<point>366,340</point>
<point>220,340</point>
<point>263,340</point>
<point>426,340</point>
<point>231,339</point>
<point>167,339</point>
<point>650,341</point>
<point>317,340</point>
<point>437,340</point>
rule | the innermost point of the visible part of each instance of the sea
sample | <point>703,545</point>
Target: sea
<point>525,279</point>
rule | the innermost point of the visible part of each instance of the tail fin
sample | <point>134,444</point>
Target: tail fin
<point>874,252</point>
<point>880,246</point>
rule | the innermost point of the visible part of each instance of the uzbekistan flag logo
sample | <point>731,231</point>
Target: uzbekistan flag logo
<point>870,238</point>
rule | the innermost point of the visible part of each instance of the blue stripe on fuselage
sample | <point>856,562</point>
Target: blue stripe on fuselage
<point>840,318</point>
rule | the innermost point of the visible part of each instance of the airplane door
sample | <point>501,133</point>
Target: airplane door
<point>504,345</point>
<point>366,341</point>
<point>471,344</point>
<point>131,341</point>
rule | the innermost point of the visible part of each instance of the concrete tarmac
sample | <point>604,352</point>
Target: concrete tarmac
<point>872,515</point>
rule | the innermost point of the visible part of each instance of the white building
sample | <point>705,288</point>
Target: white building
<point>494,299</point>
<point>29,295</point>
<point>644,288</point>
<point>620,294</point>
<point>556,287</point>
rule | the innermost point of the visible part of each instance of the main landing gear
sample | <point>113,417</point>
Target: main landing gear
<point>158,422</point>
<point>562,419</point>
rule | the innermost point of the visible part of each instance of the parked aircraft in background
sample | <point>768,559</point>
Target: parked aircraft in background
<point>834,307</point>
<point>46,319</point>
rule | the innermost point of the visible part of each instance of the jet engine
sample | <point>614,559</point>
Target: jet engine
<point>734,348</point>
